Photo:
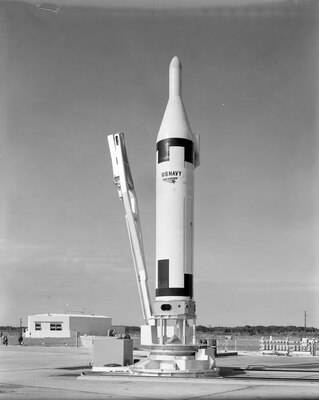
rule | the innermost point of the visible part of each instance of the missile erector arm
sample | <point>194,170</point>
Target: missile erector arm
<point>125,186</point>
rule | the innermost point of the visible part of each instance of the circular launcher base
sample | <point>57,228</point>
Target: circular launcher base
<point>176,361</point>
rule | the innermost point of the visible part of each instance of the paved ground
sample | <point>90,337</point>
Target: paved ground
<point>51,373</point>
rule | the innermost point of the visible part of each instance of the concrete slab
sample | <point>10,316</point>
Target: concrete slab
<point>51,373</point>
<point>246,360</point>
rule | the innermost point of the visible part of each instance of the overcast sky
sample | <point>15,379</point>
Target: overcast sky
<point>250,88</point>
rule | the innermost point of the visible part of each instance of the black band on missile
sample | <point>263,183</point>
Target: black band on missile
<point>186,291</point>
<point>163,282</point>
<point>163,149</point>
<point>188,284</point>
<point>163,273</point>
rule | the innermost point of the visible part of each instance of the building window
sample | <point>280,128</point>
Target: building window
<point>56,327</point>
<point>37,326</point>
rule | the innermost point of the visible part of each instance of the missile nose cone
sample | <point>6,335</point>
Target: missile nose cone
<point>175,122</point>
<point>175,77</point>
<point>175,63</point>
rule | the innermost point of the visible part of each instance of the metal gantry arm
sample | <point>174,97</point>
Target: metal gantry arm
<point>124,182</point>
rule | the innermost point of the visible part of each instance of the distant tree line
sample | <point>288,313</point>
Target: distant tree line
<point>11,328</point>
<point>246,330</point>
<point>258,330</point>
<point>133,330</point>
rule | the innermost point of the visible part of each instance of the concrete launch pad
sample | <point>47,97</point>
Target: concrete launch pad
<point>52,373</point>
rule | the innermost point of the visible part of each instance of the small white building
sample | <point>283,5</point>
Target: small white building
<point>65,325</point>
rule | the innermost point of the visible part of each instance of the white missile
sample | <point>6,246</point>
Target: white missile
<point>169,334</point>
<point>177,155</point>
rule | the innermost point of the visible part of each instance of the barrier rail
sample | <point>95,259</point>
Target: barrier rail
<point>288,347</point>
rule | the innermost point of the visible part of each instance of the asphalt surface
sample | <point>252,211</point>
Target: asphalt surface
<point>52,373</point>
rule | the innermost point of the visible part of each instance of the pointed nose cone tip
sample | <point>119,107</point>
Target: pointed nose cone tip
<point>175,77</point>
<point>175,63</point>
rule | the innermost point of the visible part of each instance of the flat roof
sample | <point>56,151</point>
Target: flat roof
<point>80,315</point>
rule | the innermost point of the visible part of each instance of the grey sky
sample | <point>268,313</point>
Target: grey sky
<point>250,90</point>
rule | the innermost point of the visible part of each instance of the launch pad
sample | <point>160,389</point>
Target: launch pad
<point>29,372</point>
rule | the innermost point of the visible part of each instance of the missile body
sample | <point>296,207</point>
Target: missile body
<point>176,159</point>
<point>169,334</point>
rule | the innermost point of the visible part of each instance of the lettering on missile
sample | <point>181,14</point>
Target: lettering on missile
<point>171,176</point>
